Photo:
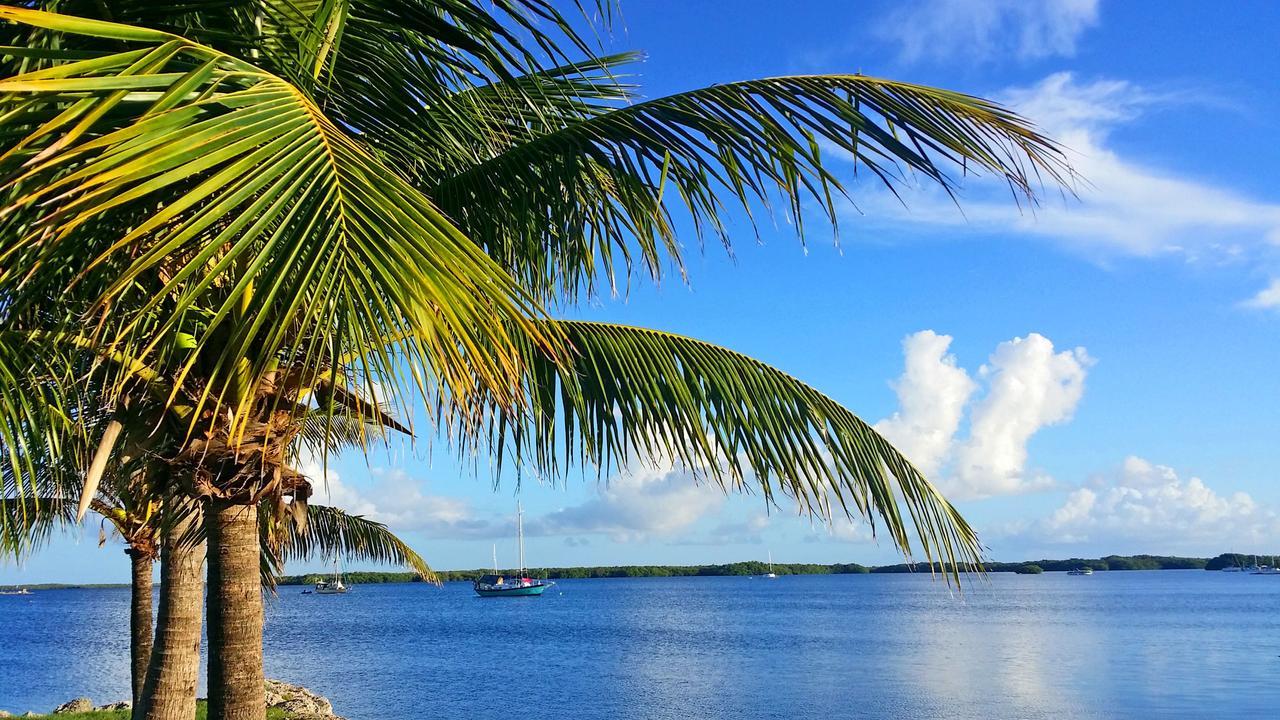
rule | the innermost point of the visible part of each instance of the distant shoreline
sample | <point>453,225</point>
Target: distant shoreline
<point>1109,562</point>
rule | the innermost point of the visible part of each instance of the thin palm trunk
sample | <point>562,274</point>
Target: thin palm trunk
<point>170,689</point>
<point>236,689</point>
<point>139,619</point>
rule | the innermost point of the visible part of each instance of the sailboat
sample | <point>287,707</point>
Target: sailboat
<point>498,585</point>
<point>771,575</point>
<point>333,586</point>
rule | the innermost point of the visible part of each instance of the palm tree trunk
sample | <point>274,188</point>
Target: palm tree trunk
<point>139,619</point>
<point>236,688</point>
<point>170,689</point>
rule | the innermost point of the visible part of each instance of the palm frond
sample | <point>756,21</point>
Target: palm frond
<point>37,414</point>
<point>283,226</point>
<point>27,522</point>
<point>596,196</point>
<point>646,395</point>
<point>330,532</point>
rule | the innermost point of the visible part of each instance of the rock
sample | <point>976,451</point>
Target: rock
<point>298,701</point>
<point>79,705</point>
<point>126,705</point>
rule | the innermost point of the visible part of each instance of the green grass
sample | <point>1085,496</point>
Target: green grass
<point>202,713</point>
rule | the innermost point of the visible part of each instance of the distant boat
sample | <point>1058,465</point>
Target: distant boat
<point>1267,570</point>
<point>1081,571</point>
<point>19,591</point>
<point>333,586</point>
<point>1233,568</point>
<point>771,574</point>
<point>498,585</point>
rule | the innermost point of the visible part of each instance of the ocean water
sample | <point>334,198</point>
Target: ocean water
<point>1165,644</point>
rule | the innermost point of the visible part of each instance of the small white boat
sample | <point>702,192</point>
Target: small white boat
<point>771,575</point>
<point>333,586</point>
<point>19,591</point>
<point>1233,568</point>
<point>1081,571</point>
<point>1267,570</point>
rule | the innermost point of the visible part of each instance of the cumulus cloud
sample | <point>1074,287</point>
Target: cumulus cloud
<point>1144,504</point>
<point>1125,206</point>
<point>1030,387</point>
<point>982,30</point>
<point>1028,384</point>
<point>1268,298</point>
<point>643,502</point>
<point>932,394</point>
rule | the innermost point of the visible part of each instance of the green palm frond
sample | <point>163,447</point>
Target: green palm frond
<point>476,124</point>
<point>27,522</point>
<point>597,195</point>
<point>260,210</point>
<point>37,413</point>
<point>634,393</point>
<point>330,532</point>
<point>401,59</point>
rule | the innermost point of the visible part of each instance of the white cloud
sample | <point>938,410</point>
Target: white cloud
<point>637,504</point>
<point>1031,387</point>
<point>1144,506</point>
<point>398,501</point>
<point>1028,386</point>
<point>982,30</point>
<point>932,394</point>
<point>1268,298</point>
<point>1126,207</point>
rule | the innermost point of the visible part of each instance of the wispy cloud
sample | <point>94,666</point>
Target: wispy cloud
<point>1268,298</point>
<point>1126,206</point>
<point>399,501</point>
<point>986,30</point>
<point>641,503</point>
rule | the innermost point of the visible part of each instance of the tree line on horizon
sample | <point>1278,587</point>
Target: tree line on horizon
<point>756,568</point>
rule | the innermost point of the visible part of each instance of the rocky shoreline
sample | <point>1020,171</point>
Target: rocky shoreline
<point>299,702</point>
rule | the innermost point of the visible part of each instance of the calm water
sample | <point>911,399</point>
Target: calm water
<point>1178,644</point>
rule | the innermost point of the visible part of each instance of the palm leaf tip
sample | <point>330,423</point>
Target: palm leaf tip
<point>607,180</point>
<point>633,392</point>
<point>330,532</point>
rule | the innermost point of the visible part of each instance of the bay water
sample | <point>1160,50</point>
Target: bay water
<point>1156,644</point>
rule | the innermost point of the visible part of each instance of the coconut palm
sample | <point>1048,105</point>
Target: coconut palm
<point>128,492</point>
<point>267,207</point>
<point>28,522</point>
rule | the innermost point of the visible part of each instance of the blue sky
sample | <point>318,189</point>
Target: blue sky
<point>1097,376</point>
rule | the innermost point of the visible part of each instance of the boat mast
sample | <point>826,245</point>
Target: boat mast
<point>520,533</point>
<point>770,561</point>
<point>495,558</point>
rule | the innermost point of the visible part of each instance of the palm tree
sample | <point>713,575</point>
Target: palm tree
<point>266,207</point>
<point>329,532</point>
<point>125,485</point>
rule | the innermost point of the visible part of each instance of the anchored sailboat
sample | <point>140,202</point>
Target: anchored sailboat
<point>771,574</point>
<point>333,586</point>
<point>497,585</point>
